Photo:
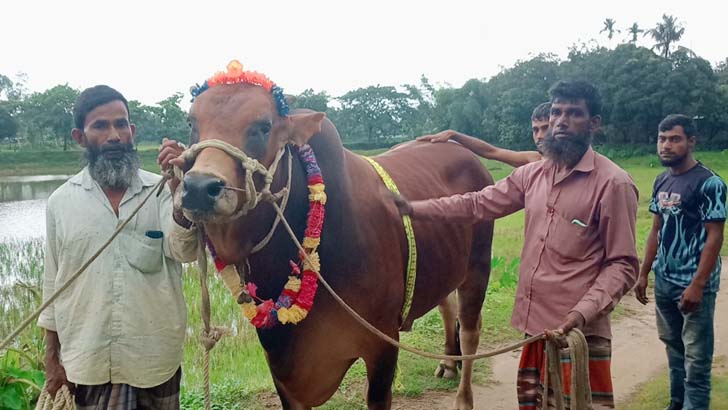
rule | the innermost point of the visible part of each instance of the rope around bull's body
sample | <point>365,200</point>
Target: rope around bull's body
<point>578,348</point>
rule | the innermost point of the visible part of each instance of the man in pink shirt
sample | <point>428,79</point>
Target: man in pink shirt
<point>578,256</point>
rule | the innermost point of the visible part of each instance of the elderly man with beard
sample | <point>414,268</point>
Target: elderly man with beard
<point>578,256</point>
<point>116,335</point>
<point>683,249</point>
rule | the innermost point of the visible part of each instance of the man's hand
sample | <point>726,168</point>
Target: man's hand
<point>443,136</point>
<point>169,153</point>
<point>691,298</point>
<point>54,371</point>
<point>640,289</point>
<point>573,320</point>
<point>56,377</point>
<point>403,206</point>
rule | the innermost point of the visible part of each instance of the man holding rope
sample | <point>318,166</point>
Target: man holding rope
<point>579,255</point>
<point>116,335</point>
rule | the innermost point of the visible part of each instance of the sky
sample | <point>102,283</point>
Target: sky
<point>151,49</point>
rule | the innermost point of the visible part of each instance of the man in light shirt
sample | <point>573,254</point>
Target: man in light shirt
<point>579,255</point>
<point>116,335</point>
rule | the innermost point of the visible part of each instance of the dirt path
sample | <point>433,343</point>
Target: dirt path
<point>637,356</point>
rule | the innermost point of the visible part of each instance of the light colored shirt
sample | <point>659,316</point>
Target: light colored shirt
<point>579,247</point>
<point>124,319</point>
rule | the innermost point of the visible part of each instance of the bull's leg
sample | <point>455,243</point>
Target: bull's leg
<point>449,312</point>
<point>287,402</point>
<point>381,367</point>
<point>470,301</point>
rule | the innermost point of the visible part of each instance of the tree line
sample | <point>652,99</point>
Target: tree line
<point>639,87</point>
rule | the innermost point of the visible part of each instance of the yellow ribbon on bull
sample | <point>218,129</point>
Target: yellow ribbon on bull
<point>411,245</point>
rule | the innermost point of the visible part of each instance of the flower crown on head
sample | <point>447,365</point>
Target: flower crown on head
<point>236,75</point>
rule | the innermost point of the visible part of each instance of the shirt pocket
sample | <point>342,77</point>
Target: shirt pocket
<point>570,238</point>
<point>144,253</point>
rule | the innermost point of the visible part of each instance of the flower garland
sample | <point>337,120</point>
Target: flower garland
<point>296,299</point>
<point>236,75</point>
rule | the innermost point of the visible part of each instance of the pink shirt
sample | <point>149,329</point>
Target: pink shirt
<point>579,249</point>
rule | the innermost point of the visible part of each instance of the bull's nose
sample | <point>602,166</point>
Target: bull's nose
<point>201,192</point>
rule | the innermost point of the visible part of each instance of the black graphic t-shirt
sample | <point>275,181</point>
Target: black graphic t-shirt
<point>686,202</point>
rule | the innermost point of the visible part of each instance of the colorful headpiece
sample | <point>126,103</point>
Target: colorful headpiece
<point>236,75</point>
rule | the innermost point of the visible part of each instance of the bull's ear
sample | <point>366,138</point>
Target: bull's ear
<point>304,126</point>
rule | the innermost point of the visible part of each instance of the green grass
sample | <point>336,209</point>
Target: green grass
<point>655,394</point>
<point>47,162</point>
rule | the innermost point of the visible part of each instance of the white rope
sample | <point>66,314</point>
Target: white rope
<point>62,401</point>
<point>251,166</point>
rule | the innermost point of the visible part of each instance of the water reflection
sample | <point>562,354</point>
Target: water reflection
<point>30,187</point>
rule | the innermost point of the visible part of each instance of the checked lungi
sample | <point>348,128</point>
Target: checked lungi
<point>531,372</point>
<point>125,397</point>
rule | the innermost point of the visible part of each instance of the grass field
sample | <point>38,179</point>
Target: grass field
<point>239,373</point>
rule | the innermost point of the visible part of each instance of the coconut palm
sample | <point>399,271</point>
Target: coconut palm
<point>609,28</point>
<point>666,33</point>
<point>634,30</point>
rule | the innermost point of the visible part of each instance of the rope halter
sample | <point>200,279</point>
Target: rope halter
<point>251,166</point>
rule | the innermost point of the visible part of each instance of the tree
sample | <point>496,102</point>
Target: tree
<point>8,125</point>
<point>634,30</point>
<point>609,28</point>
<point>666,33</point>
<point>48,115</point>
<point>147,122</point>
<point>374,112</point>
<point>312,100</point>
<point>173,118</point>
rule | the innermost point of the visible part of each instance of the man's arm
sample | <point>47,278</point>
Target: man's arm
<point>640,290</point>
<point>55,373</point>
<point>492,202</point>
<point>484,149</point>
<point>180,239</point>
<point>692,296</point>
<point>617,220</point>
<point>712,208</point>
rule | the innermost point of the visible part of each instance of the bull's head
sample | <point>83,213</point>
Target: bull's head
<point>245,116</point>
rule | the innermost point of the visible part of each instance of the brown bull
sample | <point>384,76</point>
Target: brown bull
<point>363,245</point>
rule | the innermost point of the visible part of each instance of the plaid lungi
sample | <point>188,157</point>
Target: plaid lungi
<point>532,369</point>
<point>125,397</point>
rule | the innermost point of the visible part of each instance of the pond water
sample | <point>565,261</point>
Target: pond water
<point>22,205</point>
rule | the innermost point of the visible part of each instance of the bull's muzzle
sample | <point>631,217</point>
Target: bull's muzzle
<point>201,192</point>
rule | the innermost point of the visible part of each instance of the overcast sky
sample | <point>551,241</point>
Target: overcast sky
<point>151,49</point>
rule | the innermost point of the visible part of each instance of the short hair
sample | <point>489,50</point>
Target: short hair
<point>573,91</point>
<point>673,120</point>
<point>93,97</point>
<point>541,112</point>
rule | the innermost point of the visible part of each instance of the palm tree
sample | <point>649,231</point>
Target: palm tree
<point>666,33</point>
<point>634,30</point>
<point>609,28</point>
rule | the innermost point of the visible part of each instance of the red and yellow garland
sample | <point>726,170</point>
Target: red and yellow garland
<point>296,299</point>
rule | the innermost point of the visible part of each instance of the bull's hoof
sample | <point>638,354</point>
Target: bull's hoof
<point>445,371</point>
<point>463,402</point>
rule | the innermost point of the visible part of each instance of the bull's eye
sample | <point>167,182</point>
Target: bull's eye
<point>265,128</point>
